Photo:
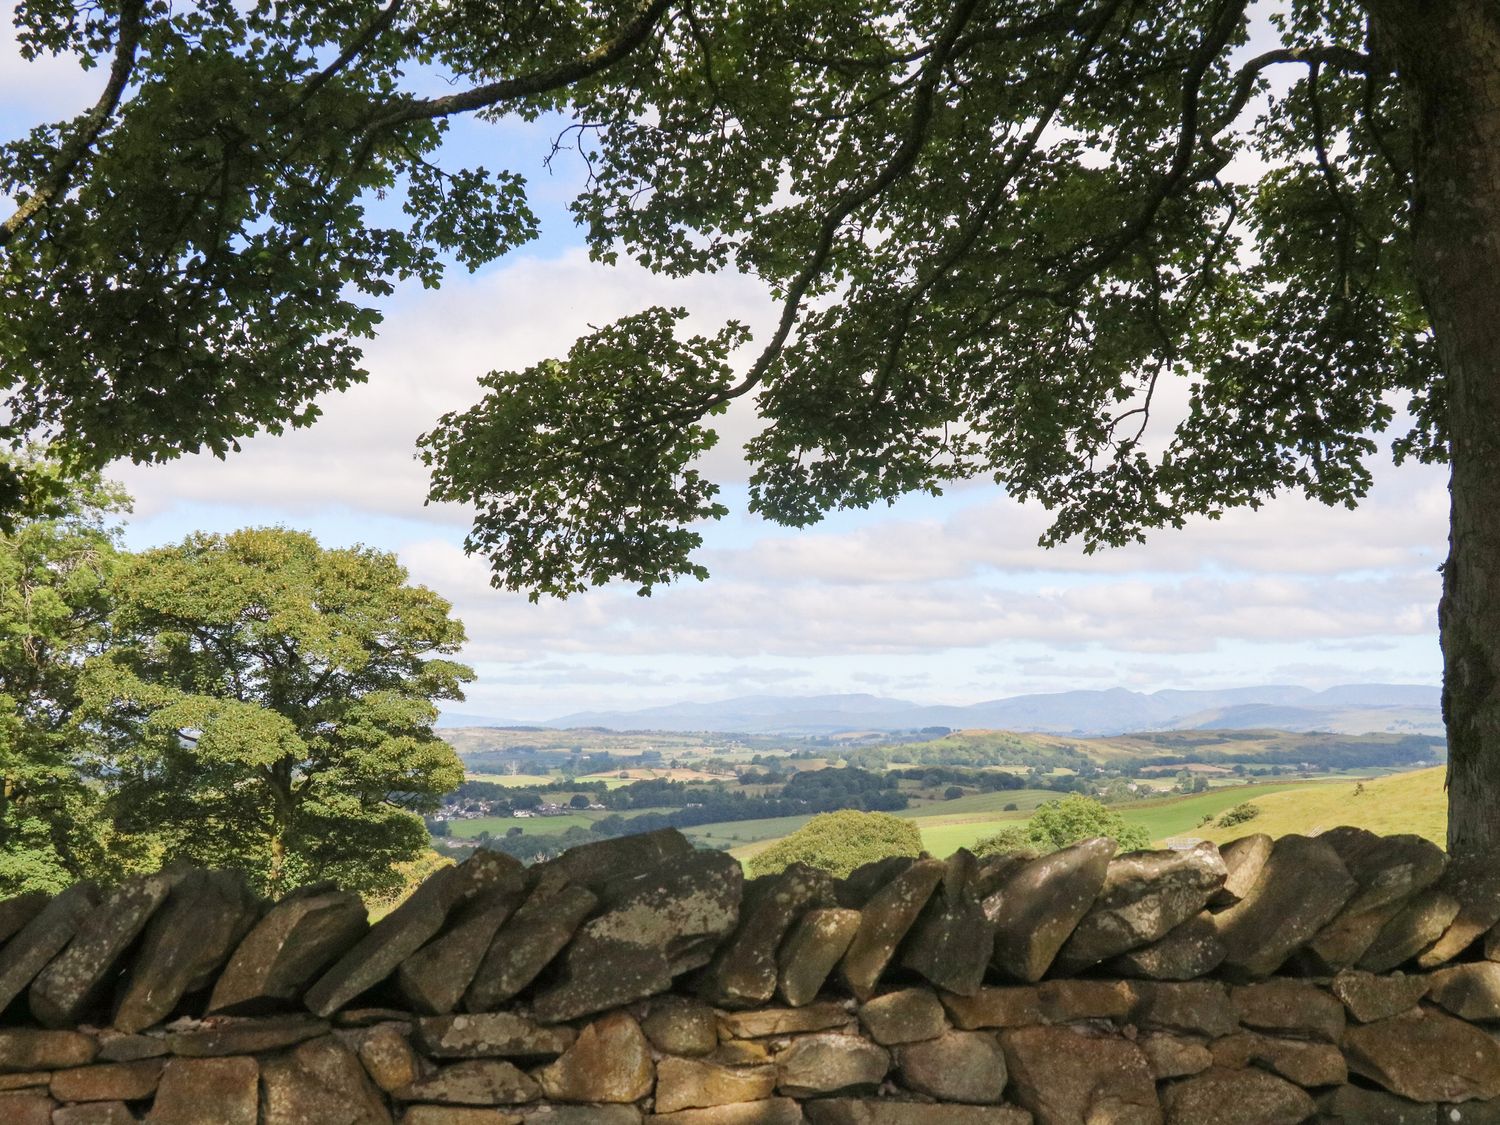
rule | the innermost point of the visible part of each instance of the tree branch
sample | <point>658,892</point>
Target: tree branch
<point>76,147</point>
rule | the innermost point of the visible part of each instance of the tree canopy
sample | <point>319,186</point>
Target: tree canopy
<point>1057,824</point>
<point>838,842</point>
<point>267,704</point>
<point>999,231</point>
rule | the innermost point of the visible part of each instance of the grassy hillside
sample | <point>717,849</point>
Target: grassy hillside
<point>1403,802</point>
<point>1407,802</point>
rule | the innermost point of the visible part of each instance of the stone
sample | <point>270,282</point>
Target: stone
<point>1340,944</point>
<point>1387,869</point>
<point>958,1066</point>
<point>1301,888</point>
<point>1064,1078</point>
<point>1368,997</point>
<point>583,1115</point>
<point>1470,991</point>
<point>42,938</point>
<point>388,1058</point>
<point>406,929</point>
<point>491,1035</point>
<point>784,1021</point>
<point>321,1082</point>
<point>296,941</point>
<point>26,1049</point>
<point>596,865</point>
<point>1144,897</point>
<point>472,1082</point>
<point>1355,1105</point>
<point>1475,883</point>
<point>1419,923</point>
<point>1019,1006</point>
<point>115,1047</point>
<point>75,979</point>
<point>527,943</point>
<point>1236,1097</point>
<point>771,1111</point>
<point>743,972</point>
<point>107,1082</point>
<point>1172,1056</point>
<point>245,1036</point>
<point>1195,1007</point>
<point>817,943</point>
<point>676,1025</point>
<point>694,1084</point>
<point>884,921</point>
<point>193,933</point>
<point>1298,1060</point>
<point>888,1111</point>
<point>223,1091</point>
<point>1290,1007</point>
<point>16,912</point>
<point>869,879</point>
<point>903,1017</point>
<point>652,928</point>
<point>742,1052</point>
<point>1426,1057</point>
<point>35,1078</point>
<point>95,1113</point>
<point>815,1065</point>
<point>26,1108</point>
<point>1243,860</point>
<point>1189,951</point>
<point>1064,1001</point>
<point>433,980</point>
<point>458,1115</point>
<point>1043,900</point>
<point>610,1061</point>
<point>951,943</point>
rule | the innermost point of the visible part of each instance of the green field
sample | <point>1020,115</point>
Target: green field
<point>1403,802</point>
<point>515,780</point>
<point>534,825</point>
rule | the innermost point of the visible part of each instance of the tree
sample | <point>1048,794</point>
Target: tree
<point>268,705</point>
<point>54,568</point>
<point>997,230</point>
<point>1056,824</point>
<point>579,801</point>
<point>838,842</point>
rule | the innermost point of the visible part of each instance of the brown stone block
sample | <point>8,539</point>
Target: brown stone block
<point>222,1091</point>
<point>107,1082</point>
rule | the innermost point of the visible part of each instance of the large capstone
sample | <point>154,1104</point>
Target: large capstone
<point>1301,888</point>
<point>1042,901</point>
<point>743,971</point>
<point>884,921</point>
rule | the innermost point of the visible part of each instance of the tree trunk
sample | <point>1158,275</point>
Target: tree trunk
<point>1448,55</point>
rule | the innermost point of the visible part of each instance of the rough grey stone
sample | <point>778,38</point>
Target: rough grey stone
<point>320,1083</point>
<point>207,1092</point>
<point>23,1049</point>
<point>884,921</point>
<point>433,980</point>
<point>1236,1097</point>
<point>695,1084</point>
<point>1355,1105</point>
<point>1290,1007</point>
<point>188,938</point>
<point>676,1025</point>
<point>43,938</point>
<point>1041,903</point>
<point>596,865</point>
<point>1416,926</point>
<point>491,1035</point>
<point>1475,883</point>
<point>889,1111</point>
<point>903,1017</point>
<point>406,929</point>
<point>1195,1007</point>
<point>610,1061</point>
<point>1302,886</point>
<point>1305,1062</point>
<point>1191,950</point>
<point>527,943</point>
<point>245,1036</point>
<point>817,944</point>
<point>958,1066</point>
<point>1064,1078</point>
<point>784,1021</point>
<point>1174,1056</point>
<point>1368,997</point>
<point>1144,897</point>
<point>814,1065</point>
<point>1426,1057</point>
<point>995,1007</point>
<point>299,938</point>
<point>652,928</point>
<point>476,1082</point>
<point>1243,860</point>
<point>743,971</point>
<point>107,1082</point>
<point>76,979</point>
<point>1470,991</point>
<point>18,911</point>
<point>952,941</point>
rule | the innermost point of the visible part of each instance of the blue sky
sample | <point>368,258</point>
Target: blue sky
<point>943,600</point>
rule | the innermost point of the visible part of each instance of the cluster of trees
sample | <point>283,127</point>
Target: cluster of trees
<point>248,700</point>
<point>839,842</point>
<point>1056,824</point>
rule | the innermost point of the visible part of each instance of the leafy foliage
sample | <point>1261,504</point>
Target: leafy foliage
<point>1238,815</point>
<point>54,570</point>
<point>267,705</point>
<point>1056,824</point>
<point>838,842</point>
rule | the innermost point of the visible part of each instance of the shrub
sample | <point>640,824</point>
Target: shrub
<point>838,842</point>
<point>952,793</point>
<point>1057,824</point>
<point>1238,815</point>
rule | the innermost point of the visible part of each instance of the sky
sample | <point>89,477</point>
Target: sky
<point>943,600</point>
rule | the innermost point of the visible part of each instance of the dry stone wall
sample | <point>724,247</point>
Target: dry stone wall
<point>1343,978</point>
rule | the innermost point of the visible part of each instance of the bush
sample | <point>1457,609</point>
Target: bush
<point>952,793</point>
<point>1238,815</point>
<point>1057,824</point>
<point>1010,806</point>
<point>838,842</point>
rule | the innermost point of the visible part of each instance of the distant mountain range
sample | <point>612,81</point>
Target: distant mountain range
<point>1349,709</point>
